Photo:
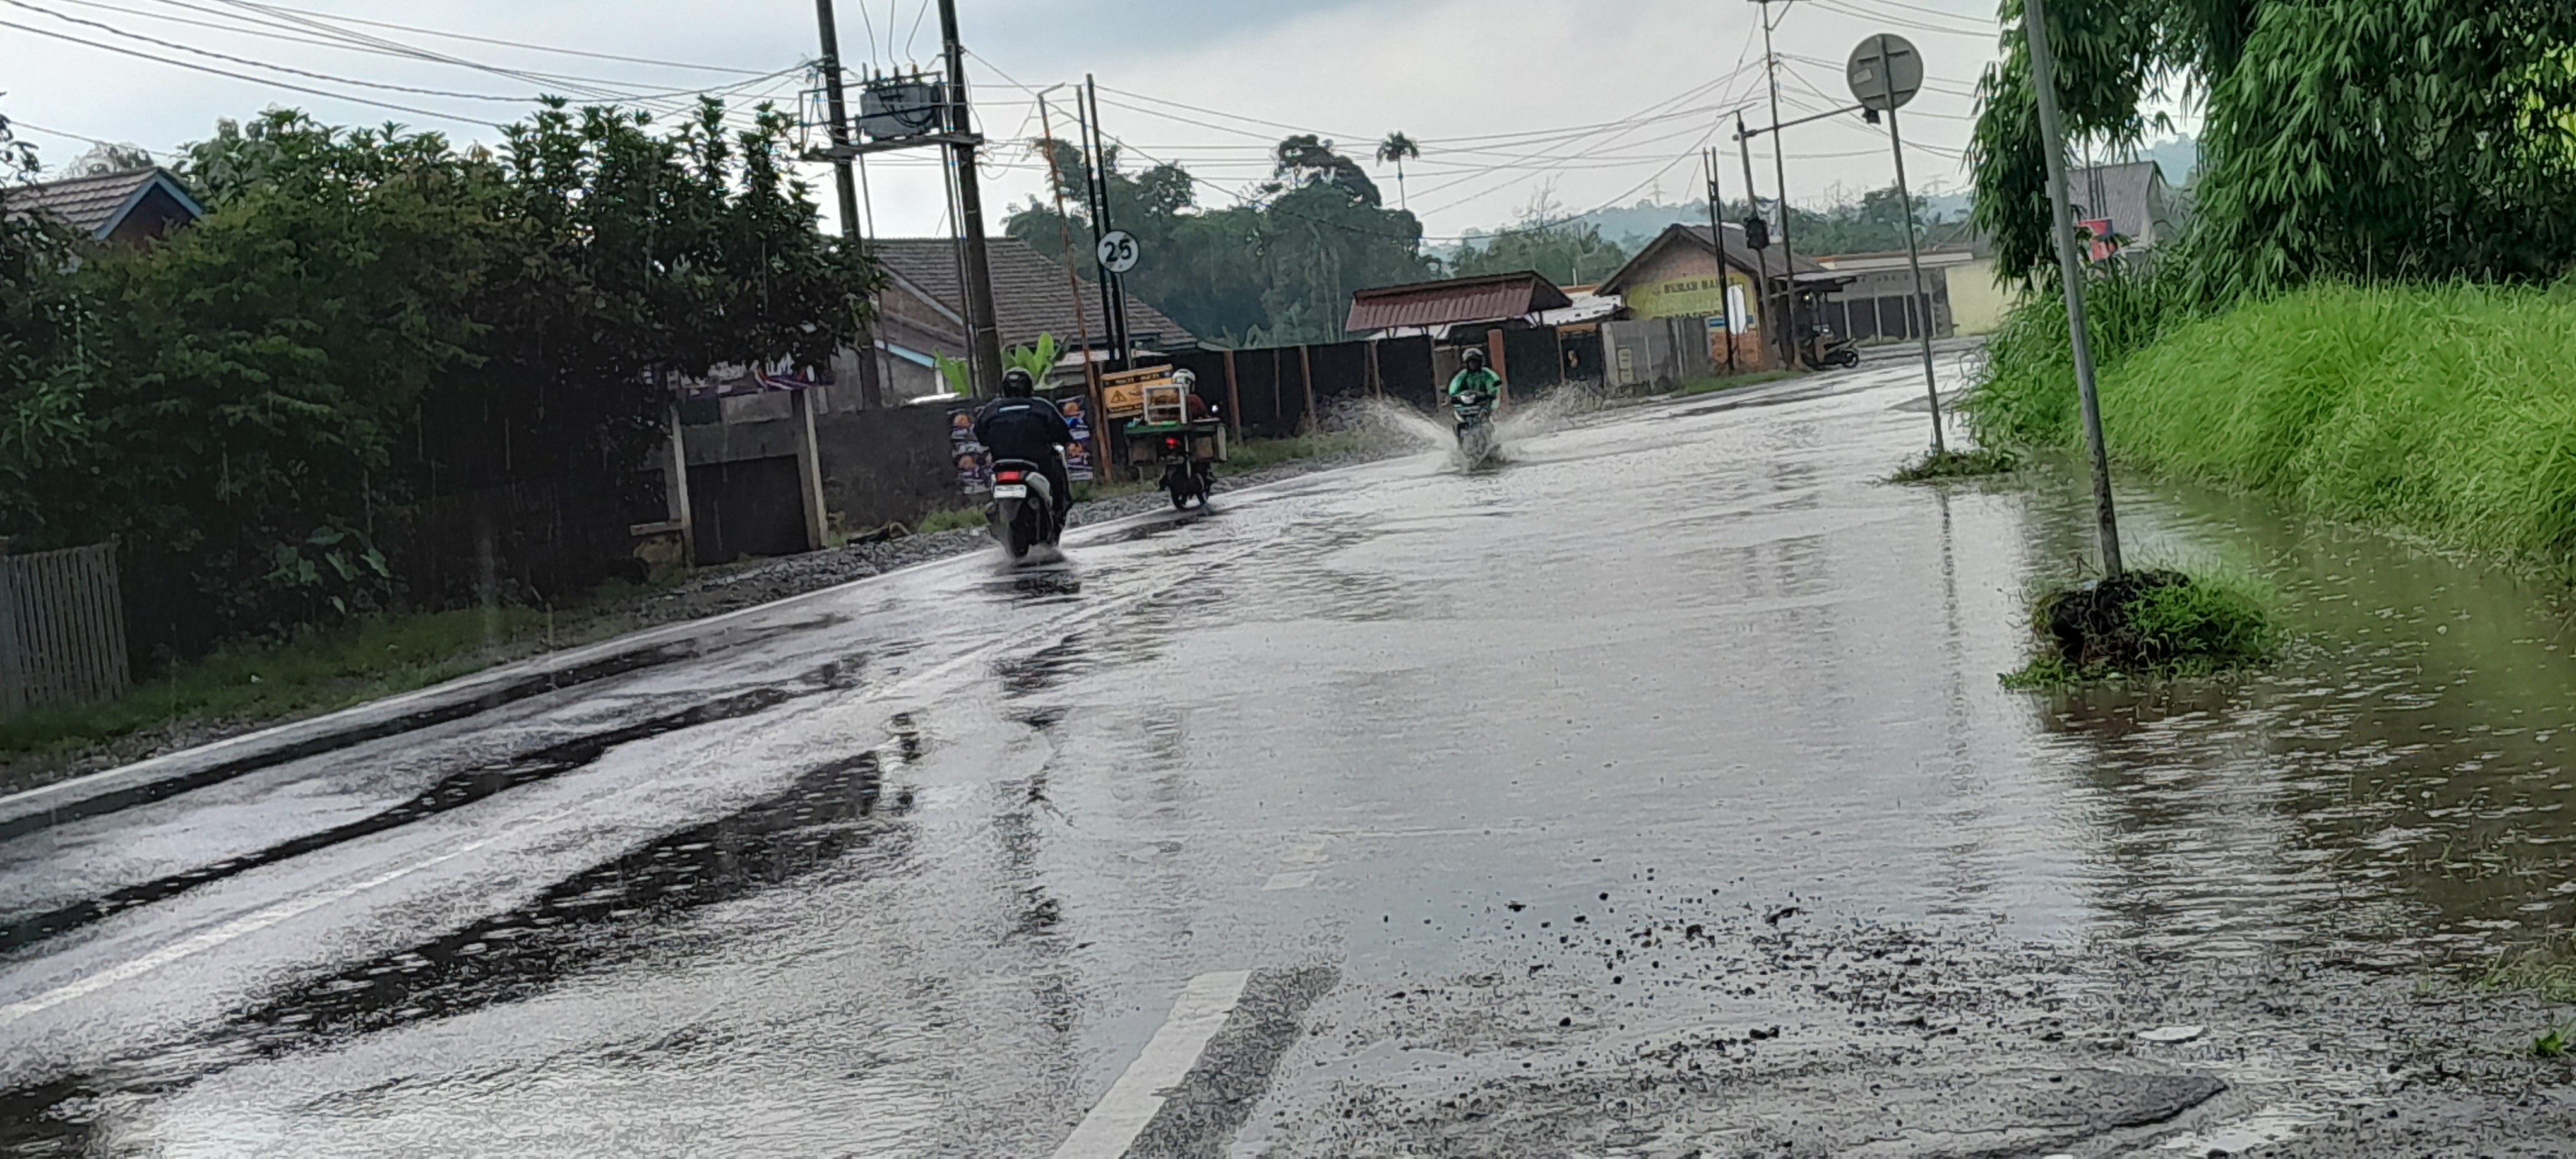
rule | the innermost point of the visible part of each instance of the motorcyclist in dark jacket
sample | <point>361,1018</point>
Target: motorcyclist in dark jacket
<point>1020,425</point>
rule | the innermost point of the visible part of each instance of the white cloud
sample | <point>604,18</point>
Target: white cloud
<point>1441,70</point>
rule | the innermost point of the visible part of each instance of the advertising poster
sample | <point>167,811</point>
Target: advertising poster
<point>1077,458</point>
<point>974,473</point>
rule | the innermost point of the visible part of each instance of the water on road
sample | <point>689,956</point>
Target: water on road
<point>1652,793</point>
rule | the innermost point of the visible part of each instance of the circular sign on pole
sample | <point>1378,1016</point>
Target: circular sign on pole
<point>1885,72</point>
<point>1117,251</point>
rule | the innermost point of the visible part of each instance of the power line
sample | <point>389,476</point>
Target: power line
<point>273,83</point>
<point>519,44</point>
<point>243,60</point>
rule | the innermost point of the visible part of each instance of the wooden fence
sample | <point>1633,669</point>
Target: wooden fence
<point>62,628</point>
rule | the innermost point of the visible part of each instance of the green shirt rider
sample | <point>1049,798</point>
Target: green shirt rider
<point>1473,390</point>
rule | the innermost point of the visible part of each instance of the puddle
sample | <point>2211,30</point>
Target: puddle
<point>608,913</point>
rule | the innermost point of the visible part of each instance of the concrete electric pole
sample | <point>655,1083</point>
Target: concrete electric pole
<point>985,336</point>
<point>2061,228</point>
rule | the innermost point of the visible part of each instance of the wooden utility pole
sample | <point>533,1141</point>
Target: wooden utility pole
<point>1780,170</point>
<point>1717,238</point>
<point>1762,256</point>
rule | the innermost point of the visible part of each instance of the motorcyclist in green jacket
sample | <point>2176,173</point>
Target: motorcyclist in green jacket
<point>1473,389</point>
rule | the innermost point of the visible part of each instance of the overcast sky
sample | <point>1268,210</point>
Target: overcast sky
<point>1576,103</point>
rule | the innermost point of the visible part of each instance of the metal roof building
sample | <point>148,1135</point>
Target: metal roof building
<point>1449,302</point>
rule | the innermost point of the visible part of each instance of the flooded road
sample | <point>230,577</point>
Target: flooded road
<point>1652,795</point>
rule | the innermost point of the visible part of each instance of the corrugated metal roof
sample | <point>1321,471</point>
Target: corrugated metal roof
<point>1483,298</point>
<point>91,204</point>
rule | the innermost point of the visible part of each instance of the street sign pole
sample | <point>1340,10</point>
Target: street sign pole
<point>2061,228</point>
<point>1885,72</point>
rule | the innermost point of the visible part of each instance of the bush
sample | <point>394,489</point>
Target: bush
<point>1974,463</point>
<point>2154,624</point>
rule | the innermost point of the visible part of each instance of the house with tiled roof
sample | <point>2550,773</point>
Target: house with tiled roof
<point>1031,294</point>
<point>127,207</point>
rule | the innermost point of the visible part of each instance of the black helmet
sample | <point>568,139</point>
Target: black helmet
<point>1475,356</point>
<point>1018,383</point>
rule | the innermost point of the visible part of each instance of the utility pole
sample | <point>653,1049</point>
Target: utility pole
<point>840,113</point>
<point>1717,238</point>
<point>2043,68</point>
<point>1922,301</point>
<point>1780,168</point>
<point>983,333</point>
<point>1072,280</point>
<point>1761,256</point>
<point>1113,289</point>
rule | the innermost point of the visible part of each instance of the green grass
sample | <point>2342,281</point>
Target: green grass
<point>1975,463</point>
<point>314,672</point>
<point>2205,625</point>
<point>1725,382</point>
<point>2445,411</point>
<point>1254,454</point>
<point>950,520</point>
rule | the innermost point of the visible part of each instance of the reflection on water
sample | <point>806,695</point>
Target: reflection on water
<point>2395,790</point>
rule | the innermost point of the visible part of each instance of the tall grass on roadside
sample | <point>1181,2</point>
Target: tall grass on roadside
<point>2026,394</point>
<point>2448,411</point>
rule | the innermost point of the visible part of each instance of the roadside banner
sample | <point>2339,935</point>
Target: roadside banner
<point>974,464</point>
<point>1077,457</point>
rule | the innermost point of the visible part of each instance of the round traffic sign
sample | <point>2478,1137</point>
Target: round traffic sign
<point>1117,251</point>
<point>1885,72</point>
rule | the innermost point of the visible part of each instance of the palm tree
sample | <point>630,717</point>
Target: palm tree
<point>1396,148</point>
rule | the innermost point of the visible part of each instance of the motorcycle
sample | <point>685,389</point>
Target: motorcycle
<point>1475,414</point>
<point>1023,510</point>
<point>1822,349</point>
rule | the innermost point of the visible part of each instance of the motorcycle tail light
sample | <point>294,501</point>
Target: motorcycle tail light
<point>1006,477</point>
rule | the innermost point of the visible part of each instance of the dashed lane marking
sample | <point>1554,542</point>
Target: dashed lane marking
<point>1137,1096</point>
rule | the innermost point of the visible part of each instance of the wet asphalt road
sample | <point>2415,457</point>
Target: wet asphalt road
<point>1650,795</point>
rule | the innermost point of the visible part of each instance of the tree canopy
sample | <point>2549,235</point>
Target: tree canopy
<point>2342,138</point>
<point>1280,267</point>
<point>370,321</point>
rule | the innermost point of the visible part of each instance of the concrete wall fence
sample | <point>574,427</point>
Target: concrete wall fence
<point>62,628</point>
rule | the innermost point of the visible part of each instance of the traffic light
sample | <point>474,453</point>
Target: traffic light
<point>1757,232</point>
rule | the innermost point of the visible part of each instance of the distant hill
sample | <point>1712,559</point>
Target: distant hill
<point>2178,158</point>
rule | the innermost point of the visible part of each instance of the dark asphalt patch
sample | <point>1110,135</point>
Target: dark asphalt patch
<point>1200,1116</point>
<point>335,739</point>
<point>455,791</point>
<point>596,918</point>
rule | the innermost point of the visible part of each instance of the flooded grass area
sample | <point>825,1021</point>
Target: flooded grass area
<point>1974,463</point>
<point>2403,765</point>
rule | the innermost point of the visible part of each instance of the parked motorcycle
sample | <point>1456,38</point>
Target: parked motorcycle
<point>1823,348</point>
<point>1023,511</point>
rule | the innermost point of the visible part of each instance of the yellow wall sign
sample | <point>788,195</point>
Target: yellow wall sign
<point>1676,297</point>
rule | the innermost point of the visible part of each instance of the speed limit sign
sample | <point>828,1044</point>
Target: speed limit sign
<point>1117,251</point>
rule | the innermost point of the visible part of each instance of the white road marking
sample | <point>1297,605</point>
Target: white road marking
<point>1295,879</point>
<point>1138,1095</point>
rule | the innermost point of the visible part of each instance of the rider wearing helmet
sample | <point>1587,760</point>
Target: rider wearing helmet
<point>1020,425</point>
<point>1474,388</point>
<point>1196,408</point>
